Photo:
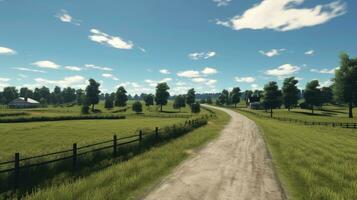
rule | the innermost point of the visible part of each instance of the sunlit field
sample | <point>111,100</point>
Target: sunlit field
<point>312,162</point>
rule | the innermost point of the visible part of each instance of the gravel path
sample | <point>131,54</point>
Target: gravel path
<point>234,166</point>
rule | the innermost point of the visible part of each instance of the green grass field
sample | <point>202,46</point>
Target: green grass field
<point>328,113</point>
<point>131,179</point>
<point>312,162</point>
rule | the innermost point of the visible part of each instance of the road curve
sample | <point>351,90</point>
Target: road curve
<point>234,166</point>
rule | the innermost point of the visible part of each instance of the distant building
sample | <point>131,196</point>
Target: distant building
<point>22,102</point>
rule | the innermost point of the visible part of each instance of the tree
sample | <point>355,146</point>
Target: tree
<point>272,96</point>
<point>195,108</point>
<point>326,95</point>
<point>108,104</point>
<point>9,94</point>
<point>25,92</point>
<point>162,94</point>
<point>45,93</point>
<point>224,97</point>
<point>290,92</point>
<point>209,100</point>
<point>312,94</point>
<point>179,102</point>
<point>235,96</point>
<point>120,97</point>
<point>137,107</point>
<point>345,87</point>
<point>191,96</point>
<point>92,93</point>
<point>149,99</point>
<point>69,95</point>
<point>80,97</point>
<point>247,95</point>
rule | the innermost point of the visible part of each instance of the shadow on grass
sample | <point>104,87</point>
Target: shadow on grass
<point>313,114</point>
<point>53,174</point>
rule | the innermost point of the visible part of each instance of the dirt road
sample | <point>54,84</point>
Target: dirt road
<point>235,166</point>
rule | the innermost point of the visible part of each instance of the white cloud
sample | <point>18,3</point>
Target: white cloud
<point>209,70</point>
<point>90,66</point>
<point>64,16</point>
<point>73,68</point>
<point>7,51</point>
<point>165,80</point>
<point>255,87</point>
<point>189,74</point>
<point>164,71</point>
<point>112,41</point>
<point>111,76</point>
<point>46,64</point>
<point>324,71</point>
<point>284,15</point>
<point>283,70</point>
<point>71,81</point>
<point>272,52</point>
<point>310,52</point>
<point>153,83</point>
<point>327,83</point>
<point>142,49</point>
<point>201,55</point>
<point>199,80</point>
<point>4,79</point>
<point>211,82</point>
<point>28,69</point>
<point>222,2</point>
<point>247,79</point>
<point>180,83</point>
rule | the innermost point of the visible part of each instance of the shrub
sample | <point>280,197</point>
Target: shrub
<point>196,108</point>
<point>137,107</point>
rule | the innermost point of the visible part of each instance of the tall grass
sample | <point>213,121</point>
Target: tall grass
<point>133,178</point>
<point>313,162</point>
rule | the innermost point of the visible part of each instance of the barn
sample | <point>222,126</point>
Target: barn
<point>22,102</point>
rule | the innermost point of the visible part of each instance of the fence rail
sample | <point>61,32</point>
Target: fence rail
<point>75,152</point>
<point>304,122</point>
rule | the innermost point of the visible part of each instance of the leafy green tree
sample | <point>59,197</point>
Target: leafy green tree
<point>209,100</point>
<point>137,107</point>
<point>162,94</point>
<point>345,87</point>
<point>290,92</point>
<point>92,93</point>
<point>312,94</point>
<point>247,95</point>
<point>179,102</point>
<point>326,95</point>
<point>191,96</point>
<point>235,96</point>
<point>69,95</point>
<point>149,99</point>
<point>272,97</point>
<point>85,109</point>
<point>120,97</point>
<point>45,94</point>
<point>25,92</point>
<point>80,96</point>
<point>9,94</point>
<point>195,108</point>
<point>2,98</point>
<point>224,97</point>
<point>109,103</point>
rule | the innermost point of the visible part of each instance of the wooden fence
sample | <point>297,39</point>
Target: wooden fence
<point>19,163</point>
<point>304,122</point>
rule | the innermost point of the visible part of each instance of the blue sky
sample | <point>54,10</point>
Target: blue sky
<point>206,44</point>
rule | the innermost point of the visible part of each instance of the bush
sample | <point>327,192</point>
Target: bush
<point>196,108</point>
<point>304,106</point>
<point>137,107</point>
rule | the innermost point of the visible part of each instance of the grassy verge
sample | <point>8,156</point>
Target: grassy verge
<point>312,162</point>
<point>131,179</point>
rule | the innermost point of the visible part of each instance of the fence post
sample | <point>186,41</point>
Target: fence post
<point>17,171</point>
<point>115,145</point>
<point>140,135</point>
<point>74,159</point>
<point>157,132</point>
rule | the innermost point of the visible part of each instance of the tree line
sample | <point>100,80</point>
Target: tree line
<point>342,91</point>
